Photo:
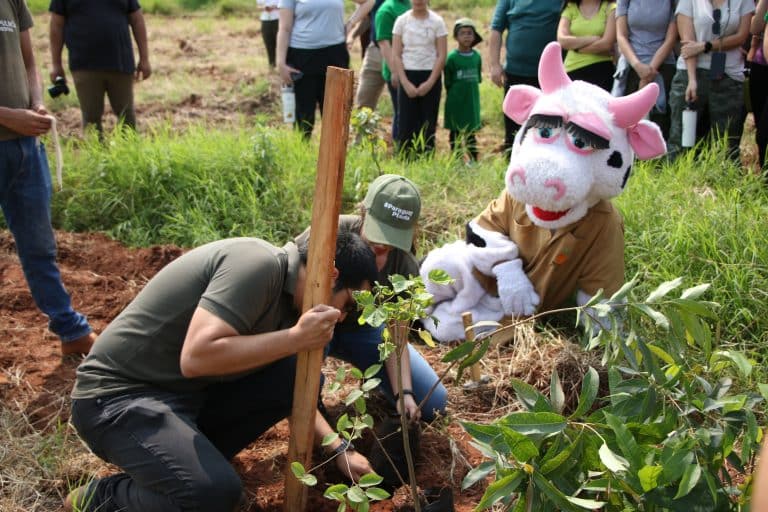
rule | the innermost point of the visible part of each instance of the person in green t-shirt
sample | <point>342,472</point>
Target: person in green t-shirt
<point>463,73</point>
<point>587,30</point>
<point>199,365</point>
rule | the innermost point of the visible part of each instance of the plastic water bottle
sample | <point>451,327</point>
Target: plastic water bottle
<point>689,126</point>
<point>289,104</point>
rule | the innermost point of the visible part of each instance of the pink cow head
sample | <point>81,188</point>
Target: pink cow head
<point>577,142</point>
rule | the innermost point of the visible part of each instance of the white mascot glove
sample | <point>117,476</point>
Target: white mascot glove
<point>518,297</point>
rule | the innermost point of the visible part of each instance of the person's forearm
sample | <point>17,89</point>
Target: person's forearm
<point>360,12</point>
<point>757,25</point>
<point>33,78</point>
<point>56,36</point>
<point>385,48</point>
<point>576,42</point>
<point>666,47</point>
<point>736,40</point>
<point>494,48</point>
<point>285,25</point>
<point>139,28</point>
<point>322,429</point>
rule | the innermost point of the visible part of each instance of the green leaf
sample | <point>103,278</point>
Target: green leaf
<point>336,492</point>
<point>659,318</point>
<point>528,395</point>
<point>371,384</point>
<point>372,371</point>
<point>695,292</point>
<point>548,465</point>
<point>477,474</point>
<point>664,289</point>
<point>370,479</point>
<point>426,337</point>
<point>674,461</point>
<point>302,476</point>
<point>689,480</point>
<point>377,494</point>
<point>329,438</point>
<point>620,295</point>
<point>556,395</point>
<point>553,493</point>
<point>587,504</point>
<point>353,395</point>
<point>694,307</point>
<point>343,423</point>
<point>501,488</point>
<point>522,448</point>
<point>738,359</point>
<point>438,276</point>
<point>649,477</point>
<point>624,439</point>
<point>763,388</point>
<point>459,352</point>
<point>613,462</point>
<point>589,387</point>
<point>484,433</point>
<point>356,494</point>
<point>533,423</point>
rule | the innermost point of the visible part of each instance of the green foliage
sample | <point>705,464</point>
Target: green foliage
<point>663,439</point>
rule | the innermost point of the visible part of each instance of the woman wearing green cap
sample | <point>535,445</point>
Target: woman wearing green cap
<point>387,221</point>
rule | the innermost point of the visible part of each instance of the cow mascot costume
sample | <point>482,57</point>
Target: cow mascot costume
<point>552,235</point>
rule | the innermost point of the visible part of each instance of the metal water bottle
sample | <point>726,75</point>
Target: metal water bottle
<point>289,104</point>
<point>689,126</point>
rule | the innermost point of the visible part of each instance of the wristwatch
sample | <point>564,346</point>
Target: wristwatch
<point>707,47</point>
<point>343,447</point>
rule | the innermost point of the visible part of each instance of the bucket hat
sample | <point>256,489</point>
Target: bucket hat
<point>466,22</point>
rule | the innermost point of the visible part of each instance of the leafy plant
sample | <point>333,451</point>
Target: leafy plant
<point>365,125</point>
<point>663,439</point>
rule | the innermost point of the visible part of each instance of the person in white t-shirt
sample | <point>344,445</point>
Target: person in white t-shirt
<point>419,48</point>
<point>710,69</point>
<point>270,21</point>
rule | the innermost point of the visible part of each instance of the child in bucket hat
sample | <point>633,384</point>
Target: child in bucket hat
<point>463,73</point>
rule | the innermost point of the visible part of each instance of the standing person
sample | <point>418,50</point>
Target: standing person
<point>384,22</point>
<point>419,47</point>
<point>270,21</point>
<point>371,83</point>
<point>646,33</point>
<point>530,25</point>
<point>710,31</point>
<point>199,365</point>
<point>25,180</point>
<point>311,37</point>
<point>387,222</point>
<point>587,30</point>
<point>101,58</point>
<point>463,73</point>
<point>758,80</point>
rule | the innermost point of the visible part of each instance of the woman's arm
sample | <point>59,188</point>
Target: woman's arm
<point>285,26</point>
<point>441,45</point>
<point>604,44</point>
<point>398,69</point>
<point>666,47</point>
<point>571,42</point>
<point>687,49</point>
<point>645,71</point>
<point>757,26</point>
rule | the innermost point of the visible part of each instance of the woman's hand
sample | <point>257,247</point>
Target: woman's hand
<point>646,73</point>
<point>285,74</point>
<point>409,89</point>
<point>353,465</point>
<point>424,88</point>
<point>689,49</point>
<point>412,411</point>
<point>690,91</point>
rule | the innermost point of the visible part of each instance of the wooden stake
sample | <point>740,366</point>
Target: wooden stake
<point>474,370</point>
<point>320,262</point>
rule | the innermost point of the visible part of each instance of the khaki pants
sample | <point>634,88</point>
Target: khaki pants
<point>371,82</point>
<point>91,87</point>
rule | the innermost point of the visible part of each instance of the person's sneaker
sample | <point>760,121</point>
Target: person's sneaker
<point>81,345</point>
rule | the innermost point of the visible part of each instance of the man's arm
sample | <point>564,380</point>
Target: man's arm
<point>33,121</point>
<point>56,38</point>
<point>213,347</point>
<point>139,28</point>
<point>494,44</point>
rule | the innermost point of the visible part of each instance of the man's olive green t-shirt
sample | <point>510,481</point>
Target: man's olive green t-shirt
<point>14,88</point>
<point>246,282</point>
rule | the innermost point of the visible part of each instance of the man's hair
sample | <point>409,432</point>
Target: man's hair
<point>355,260</point>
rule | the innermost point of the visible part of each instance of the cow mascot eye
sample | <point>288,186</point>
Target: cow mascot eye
<point>547,133</point>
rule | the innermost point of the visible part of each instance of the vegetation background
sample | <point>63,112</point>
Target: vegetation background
<point>212,160</point>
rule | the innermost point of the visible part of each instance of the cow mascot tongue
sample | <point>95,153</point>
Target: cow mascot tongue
<point>552,238</point>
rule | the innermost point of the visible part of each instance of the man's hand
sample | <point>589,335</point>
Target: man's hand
<point>26,121</point>
<point>143,70</point>
<point>57,71</point>
<point>315,327</point>
<point>497,75</point>
<point>353,464</point>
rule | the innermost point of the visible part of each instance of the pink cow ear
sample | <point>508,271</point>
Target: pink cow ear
<point>519,102</point>
<point>646,140</point>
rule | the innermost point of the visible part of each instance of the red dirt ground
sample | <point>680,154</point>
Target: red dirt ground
<point>102,277</point>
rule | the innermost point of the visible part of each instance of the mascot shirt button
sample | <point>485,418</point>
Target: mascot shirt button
<point>560,259</point>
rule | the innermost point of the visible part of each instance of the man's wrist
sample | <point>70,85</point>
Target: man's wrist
<point>343,446</point>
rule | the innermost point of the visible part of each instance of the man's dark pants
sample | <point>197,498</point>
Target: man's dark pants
<point>175,448</point>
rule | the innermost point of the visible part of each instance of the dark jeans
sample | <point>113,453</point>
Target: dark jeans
<point>269,34</point>
<point>599,74</point>
<point>25,199</point>
<point>417,117</point>
<point>395,114</point>
<point>511,127</point>
<point>310,88</point>
<point>174,448</point>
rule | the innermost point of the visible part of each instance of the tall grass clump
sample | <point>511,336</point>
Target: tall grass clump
<point>704,219</point>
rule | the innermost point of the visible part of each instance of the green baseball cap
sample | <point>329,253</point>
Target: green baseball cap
<point>392,207</point>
